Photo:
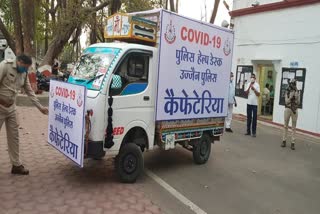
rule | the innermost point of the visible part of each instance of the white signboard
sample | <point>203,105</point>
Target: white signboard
<point>194,69</point>
<point>66,119</point>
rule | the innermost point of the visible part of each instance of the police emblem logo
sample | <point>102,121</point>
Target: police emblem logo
<point>170,34</point>
<point>79,99</point>
<point>227,47</point>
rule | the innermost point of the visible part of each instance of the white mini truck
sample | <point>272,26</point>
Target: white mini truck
<point>166,85</point>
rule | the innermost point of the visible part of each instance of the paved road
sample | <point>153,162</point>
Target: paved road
<point>245,175</point>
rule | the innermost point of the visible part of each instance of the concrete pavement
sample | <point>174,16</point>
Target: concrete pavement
<point>56,185</point>
<point>244,175</point>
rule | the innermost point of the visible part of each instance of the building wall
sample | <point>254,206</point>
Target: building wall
<point>318,118</point>
<point>281,37</point>
<point>239,4</point>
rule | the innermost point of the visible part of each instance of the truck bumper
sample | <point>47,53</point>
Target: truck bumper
<point>95,149</point>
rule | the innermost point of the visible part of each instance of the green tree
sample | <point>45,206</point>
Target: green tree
<point>72,16</point>
<point>140,5</point>
<point>47,26</point>
<point>66,17</point>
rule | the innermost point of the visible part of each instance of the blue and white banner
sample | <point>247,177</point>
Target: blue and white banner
<point>194,69</point>
<point>66,119</point>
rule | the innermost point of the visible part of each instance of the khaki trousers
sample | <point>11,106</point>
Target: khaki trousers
<point>287,114</point>
<point>12,127</point>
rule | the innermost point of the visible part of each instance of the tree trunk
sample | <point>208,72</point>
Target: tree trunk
<point>115,6</point>
<point>77,50</point>
<point>100,27</point>
<point>63,4</point>
<point>17,26</point>
<point>56,46</point>
<point>172,6</point>
<point>76,35</point>
<point>7,36</point>
<point>93,33</point>
<point>215,10</point>
<point>46,33</point>
<point>28,27</point>
<point>53,14</point>
<point>177,6</point>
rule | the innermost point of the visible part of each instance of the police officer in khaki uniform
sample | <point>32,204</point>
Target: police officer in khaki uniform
<point>13,77</point>
<point>292,101</point>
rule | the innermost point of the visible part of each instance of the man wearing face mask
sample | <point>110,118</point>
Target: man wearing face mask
<point>253,92</point>
<point>231,101</point>
<point>13,77</point>
<point>292,101</point>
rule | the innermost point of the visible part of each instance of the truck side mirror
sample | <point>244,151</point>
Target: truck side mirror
<point>116,82</point>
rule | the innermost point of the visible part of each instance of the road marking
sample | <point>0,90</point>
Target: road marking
<point>175,193</point>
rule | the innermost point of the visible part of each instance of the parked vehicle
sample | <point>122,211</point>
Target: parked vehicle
<point>167,85</point>
<point>5,51</point>
<point>43,82</point>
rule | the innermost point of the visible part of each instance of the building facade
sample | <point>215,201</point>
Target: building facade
<point>278,41</point>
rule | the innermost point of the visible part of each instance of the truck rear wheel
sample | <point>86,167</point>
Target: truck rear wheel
<point>129,163</point>
<point>202,149</point>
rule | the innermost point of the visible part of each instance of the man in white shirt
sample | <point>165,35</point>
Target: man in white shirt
<point>253,92</point>
<point>231,101</point>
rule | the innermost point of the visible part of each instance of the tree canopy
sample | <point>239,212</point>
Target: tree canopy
<point>46,29</point>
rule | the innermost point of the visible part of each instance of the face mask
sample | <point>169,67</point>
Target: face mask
<point>22,69</point>
<point>252,79</point>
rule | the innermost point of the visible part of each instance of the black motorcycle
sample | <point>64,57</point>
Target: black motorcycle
<point>43,82</point>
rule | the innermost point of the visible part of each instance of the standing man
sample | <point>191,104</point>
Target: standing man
<point>231,101</point>
<point>253,92</point>
<point>13,77</point>
<point>292,101</point>
<point>265,98</point>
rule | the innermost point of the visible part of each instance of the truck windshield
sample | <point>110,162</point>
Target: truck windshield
<point>90,64</point>
<point>93,67</point>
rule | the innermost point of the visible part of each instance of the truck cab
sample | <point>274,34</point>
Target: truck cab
<point>120,80</point>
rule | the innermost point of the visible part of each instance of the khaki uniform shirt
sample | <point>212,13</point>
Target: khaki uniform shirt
<point>11,82</point>
<point>292,99</point>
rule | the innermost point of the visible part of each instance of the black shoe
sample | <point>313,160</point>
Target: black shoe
<point>247,133</point>
<point>284,144</point>
<point>19,170</point>
<point>293,147</point>
<point>229,130</point>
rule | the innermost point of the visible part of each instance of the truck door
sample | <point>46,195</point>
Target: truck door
<point>133,96</point>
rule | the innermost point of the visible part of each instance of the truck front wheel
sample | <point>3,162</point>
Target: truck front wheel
<point>202,149</point>
<point>129,163</point>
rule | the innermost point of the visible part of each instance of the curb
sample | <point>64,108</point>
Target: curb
<point>24,100</point>
<point>243,118</point>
